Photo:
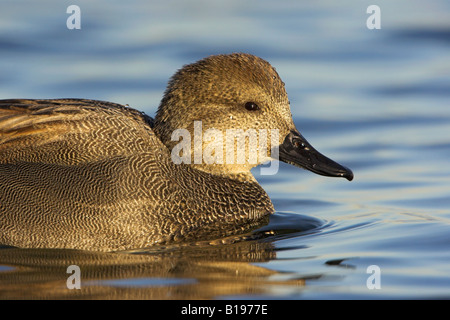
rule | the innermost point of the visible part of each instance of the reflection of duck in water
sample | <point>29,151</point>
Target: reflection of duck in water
<point>96,175</point>
<point>182,272</point>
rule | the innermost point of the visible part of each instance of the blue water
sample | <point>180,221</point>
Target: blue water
<point>377,101</point>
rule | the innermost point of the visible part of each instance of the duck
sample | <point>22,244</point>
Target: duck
<point>100,176</point>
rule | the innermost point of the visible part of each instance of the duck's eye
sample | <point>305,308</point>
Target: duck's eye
<point>251,106</point>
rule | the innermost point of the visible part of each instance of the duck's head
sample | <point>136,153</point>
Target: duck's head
<point>209,99</point>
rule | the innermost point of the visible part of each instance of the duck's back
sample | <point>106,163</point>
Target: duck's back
<point>93,175</point>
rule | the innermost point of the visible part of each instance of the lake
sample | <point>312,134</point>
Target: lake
<point>375,100</point>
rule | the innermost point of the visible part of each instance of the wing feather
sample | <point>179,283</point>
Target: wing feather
<point>56,131</point>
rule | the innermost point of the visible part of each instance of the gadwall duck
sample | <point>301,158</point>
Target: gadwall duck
<point>95,175</point>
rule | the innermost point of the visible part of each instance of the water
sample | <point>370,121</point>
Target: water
<point>376,101</point>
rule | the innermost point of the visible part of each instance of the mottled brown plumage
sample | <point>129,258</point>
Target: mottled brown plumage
<point>96,175</point>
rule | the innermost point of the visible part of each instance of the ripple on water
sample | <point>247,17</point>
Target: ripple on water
<point>5,268</point>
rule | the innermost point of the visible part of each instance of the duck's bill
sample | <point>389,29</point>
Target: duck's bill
<point>297,151</point>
